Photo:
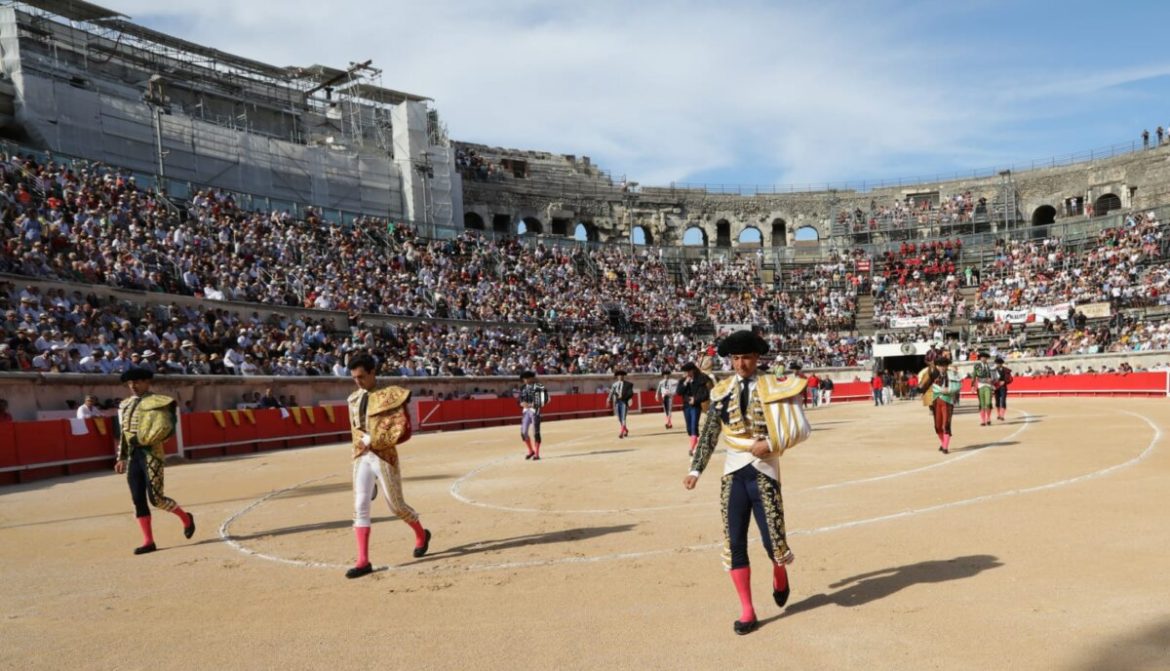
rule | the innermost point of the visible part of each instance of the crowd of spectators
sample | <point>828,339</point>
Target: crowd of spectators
<point>911,213</point>
<point>1125,266</point>
<point>93,225</point>
<point>472,166</point>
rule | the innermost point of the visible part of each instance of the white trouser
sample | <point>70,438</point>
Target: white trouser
<point>826,396</point>
<point>368,469</point>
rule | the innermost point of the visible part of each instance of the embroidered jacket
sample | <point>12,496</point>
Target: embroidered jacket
<point>145,421</point>
<point>774,413</point>
<point>385,420</point>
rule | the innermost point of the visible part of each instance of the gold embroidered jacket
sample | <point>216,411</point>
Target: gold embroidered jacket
<point>385,421</point>
<point>145,421</point>
<point>774,412</point>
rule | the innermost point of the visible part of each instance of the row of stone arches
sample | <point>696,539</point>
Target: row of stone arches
<point>502,223</point>
<point>696,236</point>
<point>1102,205</point>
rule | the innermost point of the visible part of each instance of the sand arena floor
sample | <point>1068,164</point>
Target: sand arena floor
<point>1039,543</point>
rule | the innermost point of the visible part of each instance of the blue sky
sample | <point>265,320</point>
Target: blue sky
<point>741,91</point>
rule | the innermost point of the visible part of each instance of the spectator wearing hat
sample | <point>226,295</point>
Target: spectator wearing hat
<point>758,416</point>
<point>695,392</point>
<point>944,386</point>
<point>984,377</point>
<point>145,421</point>
<point>620,393</point>
<point>532,399</point>
<point>664,394</point>
<point>1003,378</point>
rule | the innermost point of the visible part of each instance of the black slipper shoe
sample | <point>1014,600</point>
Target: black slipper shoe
<point>359,571</point>
<point>742,628</point>
<point>420,551</point>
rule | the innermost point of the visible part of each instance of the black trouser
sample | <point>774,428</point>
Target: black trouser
<point>1001,397</point>
<point>144,473</point>
<point>747,493</point>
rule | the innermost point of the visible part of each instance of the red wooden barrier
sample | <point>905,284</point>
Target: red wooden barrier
<point>8,445</point>
<point>29,450</point>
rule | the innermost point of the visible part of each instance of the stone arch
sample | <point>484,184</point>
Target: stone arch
<point>779,232</point>
<point>473,221</point>
<point>723,233</point>
<point>1105,204</point>
<point>750,236</point>
<point>1044,215</point>
<point>586,232</point>
<point>808,233</point>
<point>529,226</point>
<point>501,223</point>
<point>695,236</point>
<point>560,226</point>
<point>640,235</point>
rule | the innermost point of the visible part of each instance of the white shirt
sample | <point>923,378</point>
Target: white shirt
<point>85,412</point>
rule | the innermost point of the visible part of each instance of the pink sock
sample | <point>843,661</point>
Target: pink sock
<point>147,532</point>
<point>528,442</point>
<point>946,440</point>
<point>420,534</point>
<point>779,577</point>
<point>694,442</point>
<point>363,543</point>
<point>538,449</point>
<point>742,577</point>
<point>182,515</point>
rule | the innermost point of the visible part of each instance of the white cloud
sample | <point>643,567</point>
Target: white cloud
<point>658,90</point>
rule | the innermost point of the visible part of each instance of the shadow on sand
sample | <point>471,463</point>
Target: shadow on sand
<point>866,588</point>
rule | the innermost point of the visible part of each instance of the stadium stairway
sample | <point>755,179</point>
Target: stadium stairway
<point>865,326</point>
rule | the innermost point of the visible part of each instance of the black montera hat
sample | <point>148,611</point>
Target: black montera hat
<point>983,354</point>
<point>133,374</point>
<point>688,366</point>
<point>795,365</point>
<point>527,375</point>
<point>666,371</point>
<point>619,373</point>
<point>999,359</point>
<point>742,342</point>
<point>943,360</point>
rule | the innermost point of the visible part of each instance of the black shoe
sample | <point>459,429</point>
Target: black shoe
<point>359,571</point>
<point>418,552</point>
<point>529,455</point>
<point>189,530</point>
<point>742,628</point>
<point>149,547</point>
<point>781,596</point>
<point>374,496</point>
<point>536,457</point>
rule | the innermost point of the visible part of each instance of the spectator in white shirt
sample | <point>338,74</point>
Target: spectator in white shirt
<point>89,408</point>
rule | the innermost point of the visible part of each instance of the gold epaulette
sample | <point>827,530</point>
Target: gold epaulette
<point>772,388</point>
<point>156,402</point>
<point>722,388</point>
<point>387,399</point>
